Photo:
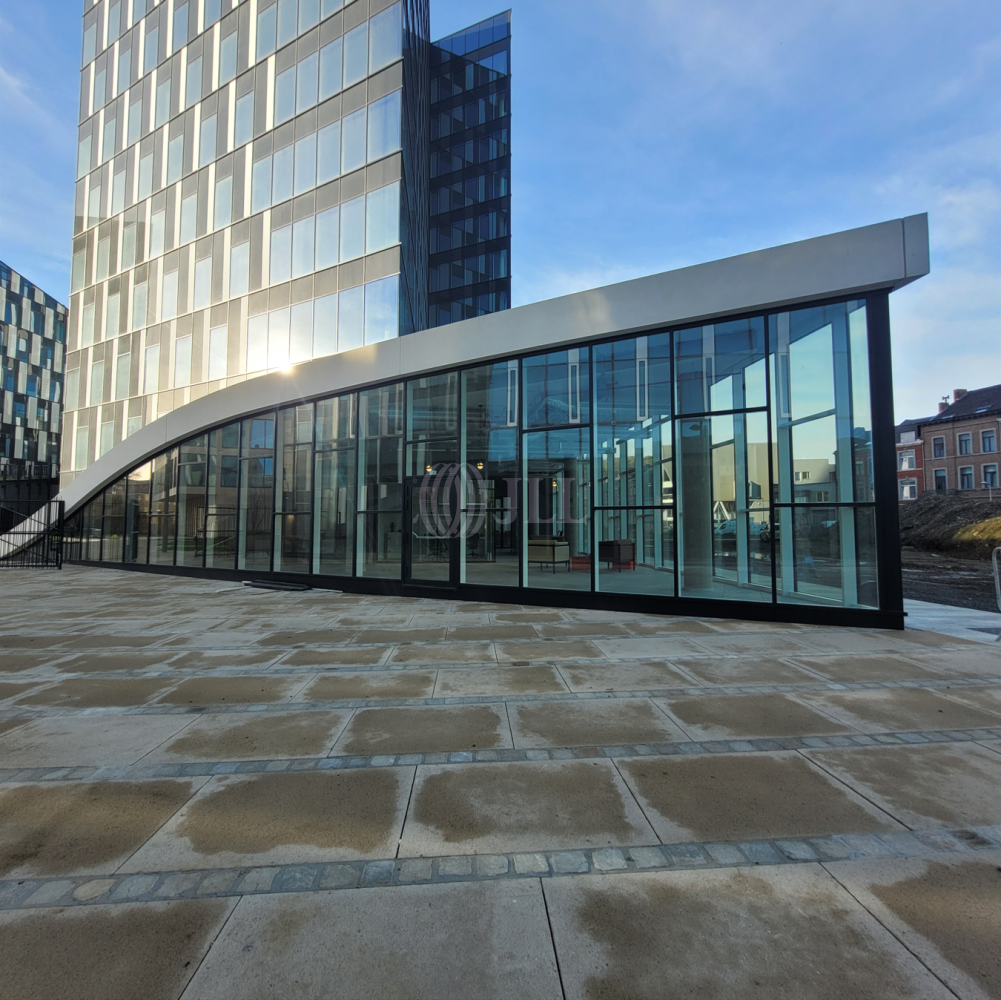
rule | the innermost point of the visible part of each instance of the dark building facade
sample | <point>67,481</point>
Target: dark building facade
<point>33,347</point>
<point>470,262</point>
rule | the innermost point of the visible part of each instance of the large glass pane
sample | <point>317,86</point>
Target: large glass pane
<point>356,54</point>
<point>330,69</point>
<point>137,515</point>
<point>293,514</point>
<point>557,388</point>
<point>301,333</point>
<point>305,164</point>
<point>286,21</point>
<point>163,509</point>
<point>306,83</point>
<point>113,528</point>
<point>386,37</point>
<point>382,218</point>
<point>325,326</point>
<point>557,509</point>
<point>384,120</point>
<point>489,543</point>
<point>353,229</point>
<point>381,441</point>
<point>382,309</point>
<point>282,175</point>
<point>328,153</point>
<point>721,367</point>
<point>302,247</point>
<point>222,506</point>
<point>353,141</point>
<point>257,489</point>
<point>861,421</point>
<point>351,318</point>
<point>328,232</point>
<point>633,415</point>
<point>635,552</point>
<point>260,197</point>
<point>191,502</point>
<point>334,516</point>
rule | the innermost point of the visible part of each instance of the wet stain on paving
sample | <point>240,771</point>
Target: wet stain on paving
<point>578,799</point>
<point>719,943</point>
<point>356,810</point>
<point>669,628</point>
<point>60,829</point>
<point>351,656</point>
<point>14,663</point>
<point>111,641</point>
<point>956,786</point>
<point>851,669</point>
<point>227,691</point>
<point>304,734</point>
<point>327,635</point>
<point>529,617</point>
<point>743,670</point>
<point>108,953</point>
<point>490,633</point>
<point>391,636</point>
<point>500,680</point>
<point>905,709</point>
<point>957,908</point>
<point>100,662</point>
<point>623,676</point>
<point>732,797</point>
<point>6,725</point>
<point>225,660</point>
<point>749,716</point>
<point>32,641</point>
<point>449,652</point>
<point>12,690</point>
<point>554,650</point>
<point>412,684</point>
<point>422,730</point>
<point>600,723</point>
<point>97,693</point>
<point>580,628</point>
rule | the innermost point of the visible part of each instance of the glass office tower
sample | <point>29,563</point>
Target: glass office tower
<point>32,356</point>
<point>471,172</point>
<point>254,191</point>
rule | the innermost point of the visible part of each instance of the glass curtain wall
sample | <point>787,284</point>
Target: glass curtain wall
<point>731,461</point>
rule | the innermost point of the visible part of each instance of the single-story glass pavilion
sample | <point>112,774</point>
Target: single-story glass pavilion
<point>716,440</point>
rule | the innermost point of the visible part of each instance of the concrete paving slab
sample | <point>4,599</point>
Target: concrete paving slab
<point>209,660</point>
<point>540,617</point>
<point>926,785</point>
<point>550,649</point>
<point>667,647</point>
<point>299,817</point>
<point>731,797</point>
<point>749,716</point>
<point>668,627</point>
<point>522,807</point>
<point>392,636</point>
<point>78,829</point>
<point>16,663</point>
<point>864,667</point>
<point>591,723</point>
<point>91,692</point>
<point>279,735</point>
<point>898,710</point>
<point>490,633</point>
<point>984,699</point>
<point>344,656</point>
<point>147,950</point>
<point>980,660</point>
<point>438,729</point>
<point>234,690</point>
<point>498,681</point>
<point>566,630</point>
<point>345,686</point>
<point>9,691</point>
<point>446,942</point>
<point>97,741</point>
<point>764,644</point>
<point>449,652</point>
<point>944,910</point>
<point>78,642</point>
<point>743,670</point>
<point>307,636</point>
<point>714,935</point>
<point>6,725</point>
<point>627,676</point>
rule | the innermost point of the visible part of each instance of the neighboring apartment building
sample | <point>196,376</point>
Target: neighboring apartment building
<point>910,460</point>
<point>961,444</point>
<point>265,182</point>
<point>33,348</point>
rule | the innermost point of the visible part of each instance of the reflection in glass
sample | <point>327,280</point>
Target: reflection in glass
<point>380,467</point>
<point>163,509</point>
<point>222,503</point>
<point>635,552</point>
<point>558,509</point>
<point>113,527</point>
<point>721,367</point>
<point>557,389</point>
<point>257,493</point>
<point>137,515</point>
<point>191,502</point>
<point>294,498</point>
<point>489,546</point>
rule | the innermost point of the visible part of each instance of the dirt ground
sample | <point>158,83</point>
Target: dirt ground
<point>943,578</point>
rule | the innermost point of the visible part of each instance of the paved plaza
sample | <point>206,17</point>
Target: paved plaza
<point>213,791</point>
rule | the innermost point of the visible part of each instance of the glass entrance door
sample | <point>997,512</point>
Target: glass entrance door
<point>431,537</point>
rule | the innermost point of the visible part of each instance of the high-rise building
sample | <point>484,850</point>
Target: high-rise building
<point>257,183</point>
<point>33,349</point>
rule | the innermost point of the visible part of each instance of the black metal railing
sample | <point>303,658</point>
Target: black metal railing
<point>31,534</point>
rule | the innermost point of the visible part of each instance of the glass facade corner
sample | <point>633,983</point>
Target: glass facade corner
<point>724,465</point>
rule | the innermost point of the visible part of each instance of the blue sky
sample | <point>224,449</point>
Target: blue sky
<point>649,135</point>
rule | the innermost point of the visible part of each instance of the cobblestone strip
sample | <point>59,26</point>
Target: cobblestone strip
<point>133,772</point>
<point>499,699</point>
<point>32,893</point>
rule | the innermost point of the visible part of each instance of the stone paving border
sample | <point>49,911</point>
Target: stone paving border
<point>134,772</point>
<point>149,887</point>
<point>810,687</point>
